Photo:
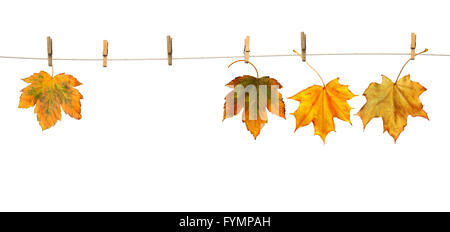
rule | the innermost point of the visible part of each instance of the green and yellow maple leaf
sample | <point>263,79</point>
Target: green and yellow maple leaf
<point>254,95</point>
<point>49,94</point>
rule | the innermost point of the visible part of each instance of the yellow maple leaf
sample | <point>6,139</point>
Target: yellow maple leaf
<point>320,104</point>
<point>48,94</point>
<point>393,102</point>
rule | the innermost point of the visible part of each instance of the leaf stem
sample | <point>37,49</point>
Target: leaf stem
<point>257,74</point>
<point>426,50</point>
<point>323,83</point>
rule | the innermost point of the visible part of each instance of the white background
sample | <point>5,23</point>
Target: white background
<point>152,137</point>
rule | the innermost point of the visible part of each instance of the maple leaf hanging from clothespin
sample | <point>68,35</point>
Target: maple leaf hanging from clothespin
<point>320,104</point>
<point>49,94</point>
<point>394,101</point>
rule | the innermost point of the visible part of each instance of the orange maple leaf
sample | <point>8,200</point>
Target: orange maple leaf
<point>319,104</point>
<point>49,94</point>
<point>254,95</point>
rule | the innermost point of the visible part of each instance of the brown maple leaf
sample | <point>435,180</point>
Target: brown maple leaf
<point>393,102</point>
<point>254,95</point>
<point>48,94</point>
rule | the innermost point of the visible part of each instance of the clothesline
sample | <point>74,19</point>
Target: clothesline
<point>222,57</point>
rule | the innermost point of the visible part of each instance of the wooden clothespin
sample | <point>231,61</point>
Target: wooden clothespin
<point>50,50</point>
<point>247,49</point>
<point>413,45</point>
<point>169,50</point>
<point>105,53</point>
<point>303,41</point>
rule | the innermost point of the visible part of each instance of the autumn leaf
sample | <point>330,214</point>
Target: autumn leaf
<point>254,95</point>
<point>48,94</point>
<point>320,104</point>
<point>393,102</point>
